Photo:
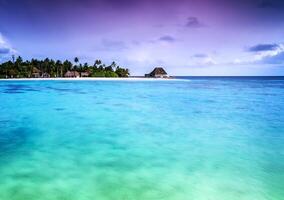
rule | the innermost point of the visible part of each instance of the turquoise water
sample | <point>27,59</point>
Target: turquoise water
<point>197,139</point>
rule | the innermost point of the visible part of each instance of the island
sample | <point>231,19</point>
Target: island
<point>49,68</point>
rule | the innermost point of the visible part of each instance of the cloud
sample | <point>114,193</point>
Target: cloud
<point>263,54</point>
<point>202,59</point>
<point>111,45</point>
<point>200,55</point>
<point>2,41</point>
<point>167,38</point>
<point>263,47</point>
<point>274,59</point>
<point>5,47</point>
<point>4,50</point>
<point>193,22</point>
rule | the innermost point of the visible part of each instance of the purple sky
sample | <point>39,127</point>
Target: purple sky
<point>186,37</point>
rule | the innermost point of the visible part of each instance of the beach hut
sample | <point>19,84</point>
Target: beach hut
<point>72,74</point>
<point>36,72</point>
<point>45,75</point>
<point>158,72</point>
<point>85,74</point>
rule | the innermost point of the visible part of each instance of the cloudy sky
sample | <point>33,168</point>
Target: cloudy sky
<point>186,37</point>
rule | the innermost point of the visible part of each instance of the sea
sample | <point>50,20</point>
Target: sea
<point>189,138</point>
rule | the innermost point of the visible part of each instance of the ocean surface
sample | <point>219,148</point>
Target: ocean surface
<point>189,139</point>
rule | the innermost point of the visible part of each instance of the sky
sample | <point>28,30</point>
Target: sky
<point>186,37</point>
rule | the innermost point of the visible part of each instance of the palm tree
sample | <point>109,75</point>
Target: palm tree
<point>98,62</point>
<point>76,60</point>
<point>113,65</point>
<point>59,64</point>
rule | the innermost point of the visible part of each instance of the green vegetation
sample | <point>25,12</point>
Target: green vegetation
<point>17,68</point>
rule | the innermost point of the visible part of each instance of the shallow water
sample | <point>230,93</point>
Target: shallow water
<point>202,139</point>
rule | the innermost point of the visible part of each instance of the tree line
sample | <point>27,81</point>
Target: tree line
<point>17,68</point>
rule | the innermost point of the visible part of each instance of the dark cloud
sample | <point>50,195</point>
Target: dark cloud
<point>193,22</point>
<point>265,4</point>
<point>167,38</point>
<point>4,50</point>
<point>270,3</point>
<point>263,47</point>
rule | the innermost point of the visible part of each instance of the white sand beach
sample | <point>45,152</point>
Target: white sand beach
<point>93,79</point>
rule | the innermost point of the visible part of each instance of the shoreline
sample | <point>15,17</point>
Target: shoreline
<point>92,79</point>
